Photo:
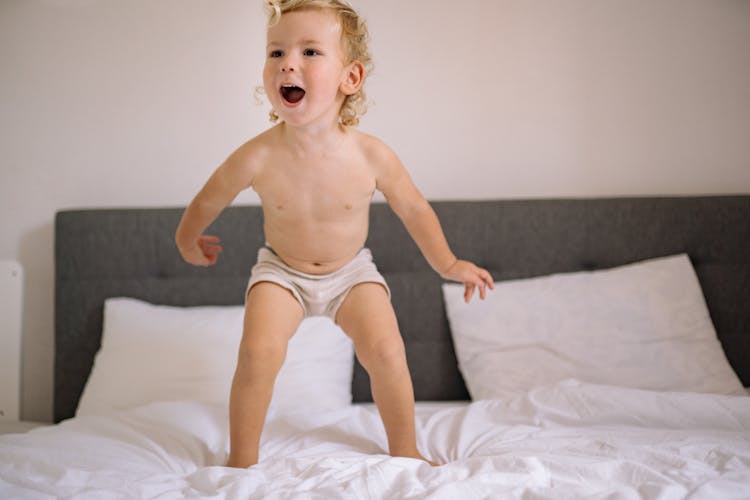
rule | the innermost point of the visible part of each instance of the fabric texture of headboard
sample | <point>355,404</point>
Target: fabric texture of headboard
<point>101,253</point>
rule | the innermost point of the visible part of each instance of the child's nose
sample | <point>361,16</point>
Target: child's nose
<point>288,65</point>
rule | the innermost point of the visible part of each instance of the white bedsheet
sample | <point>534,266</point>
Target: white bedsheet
<point>569,440</point>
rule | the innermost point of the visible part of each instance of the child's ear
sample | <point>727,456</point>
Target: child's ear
<point>354,77</point>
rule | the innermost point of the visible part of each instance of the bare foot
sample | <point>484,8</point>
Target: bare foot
<point>240,464</point>
<point>416,455</point>
<point>434,464</point>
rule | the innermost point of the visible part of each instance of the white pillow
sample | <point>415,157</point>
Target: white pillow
<point>643,325</point>
<point>155,353</point>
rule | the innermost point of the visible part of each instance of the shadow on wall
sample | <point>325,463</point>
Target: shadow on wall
<point>36,254</point>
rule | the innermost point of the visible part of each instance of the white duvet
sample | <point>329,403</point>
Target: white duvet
<point>568,440</point>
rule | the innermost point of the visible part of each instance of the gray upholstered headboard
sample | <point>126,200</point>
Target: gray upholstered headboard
<point>130,252</point>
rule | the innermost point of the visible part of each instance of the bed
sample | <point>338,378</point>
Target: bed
<point>609,363</point>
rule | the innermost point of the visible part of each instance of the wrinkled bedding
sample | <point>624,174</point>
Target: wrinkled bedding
<point>567,440</point>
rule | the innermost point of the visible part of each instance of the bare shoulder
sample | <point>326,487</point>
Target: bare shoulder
<point>377,153</point>
<point>248,160</point>
<point>391,176</point>
<point>254,153</point>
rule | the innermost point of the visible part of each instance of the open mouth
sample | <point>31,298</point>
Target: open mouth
<point>292,94</point>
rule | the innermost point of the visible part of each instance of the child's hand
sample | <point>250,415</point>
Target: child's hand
<point>471,276</point>
<point>204,252</point>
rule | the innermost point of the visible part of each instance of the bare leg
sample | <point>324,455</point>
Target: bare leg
<point>368,318</point>
<point>272,316</point>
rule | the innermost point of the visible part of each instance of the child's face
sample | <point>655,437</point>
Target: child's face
<point>305,75</point>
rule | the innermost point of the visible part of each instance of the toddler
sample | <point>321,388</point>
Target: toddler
<point>315,175</point>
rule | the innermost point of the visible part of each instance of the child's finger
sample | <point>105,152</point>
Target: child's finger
<point>487,278</point>
<point>212,242</point>
<point>468,291</point>
<point>212,249</point>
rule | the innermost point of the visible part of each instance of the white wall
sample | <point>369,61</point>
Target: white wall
<point>134,102</point>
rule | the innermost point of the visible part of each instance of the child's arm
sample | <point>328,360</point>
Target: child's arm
<point>423,225</point>
<point>232,176</point>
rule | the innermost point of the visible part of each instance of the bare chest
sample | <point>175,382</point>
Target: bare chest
<point>321,190</point>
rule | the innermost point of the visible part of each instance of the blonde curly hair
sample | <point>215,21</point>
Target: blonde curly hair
<point>354,36</point>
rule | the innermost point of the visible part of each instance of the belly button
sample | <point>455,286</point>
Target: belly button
<point>317,264</point>
<point>348,206</point>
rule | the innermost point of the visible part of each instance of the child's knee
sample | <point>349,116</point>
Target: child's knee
<point>385,352</point>
<point>264,355</point>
